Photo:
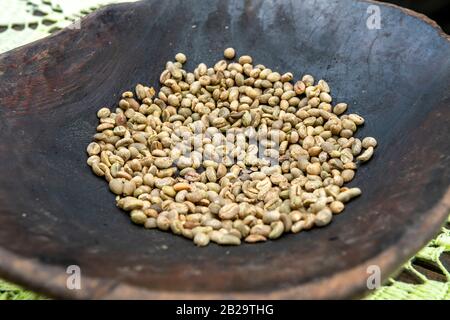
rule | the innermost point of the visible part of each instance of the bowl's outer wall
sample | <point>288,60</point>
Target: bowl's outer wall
<point>56,212</point>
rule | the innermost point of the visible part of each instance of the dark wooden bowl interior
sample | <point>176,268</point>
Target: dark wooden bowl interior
<point>54,212</point>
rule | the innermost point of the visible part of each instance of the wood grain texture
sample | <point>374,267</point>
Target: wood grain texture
<point>54,212</point>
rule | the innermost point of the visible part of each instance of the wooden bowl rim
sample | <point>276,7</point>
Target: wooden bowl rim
<point>51,280</point>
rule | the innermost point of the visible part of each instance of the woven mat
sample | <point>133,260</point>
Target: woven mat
<point>29,20</point>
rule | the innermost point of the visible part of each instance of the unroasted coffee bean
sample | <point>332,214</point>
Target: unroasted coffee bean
<point>336,207</point>
<point>116,186</point>
<point>277,230</point>
<point>323,217</point>
<point>228,239</point>
<point>138,217</point>
<point>229,53</point>
<point>201,239</point>
<point>366,155</point>
<point>229,211</point>
<point>348,195</point>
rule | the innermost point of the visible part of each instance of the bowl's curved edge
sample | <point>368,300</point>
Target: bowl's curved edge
<point>100,11</point>
<point>51,280</point>
<point>342,285</point>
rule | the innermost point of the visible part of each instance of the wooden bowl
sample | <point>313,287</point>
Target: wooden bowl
<point>55,213</point>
